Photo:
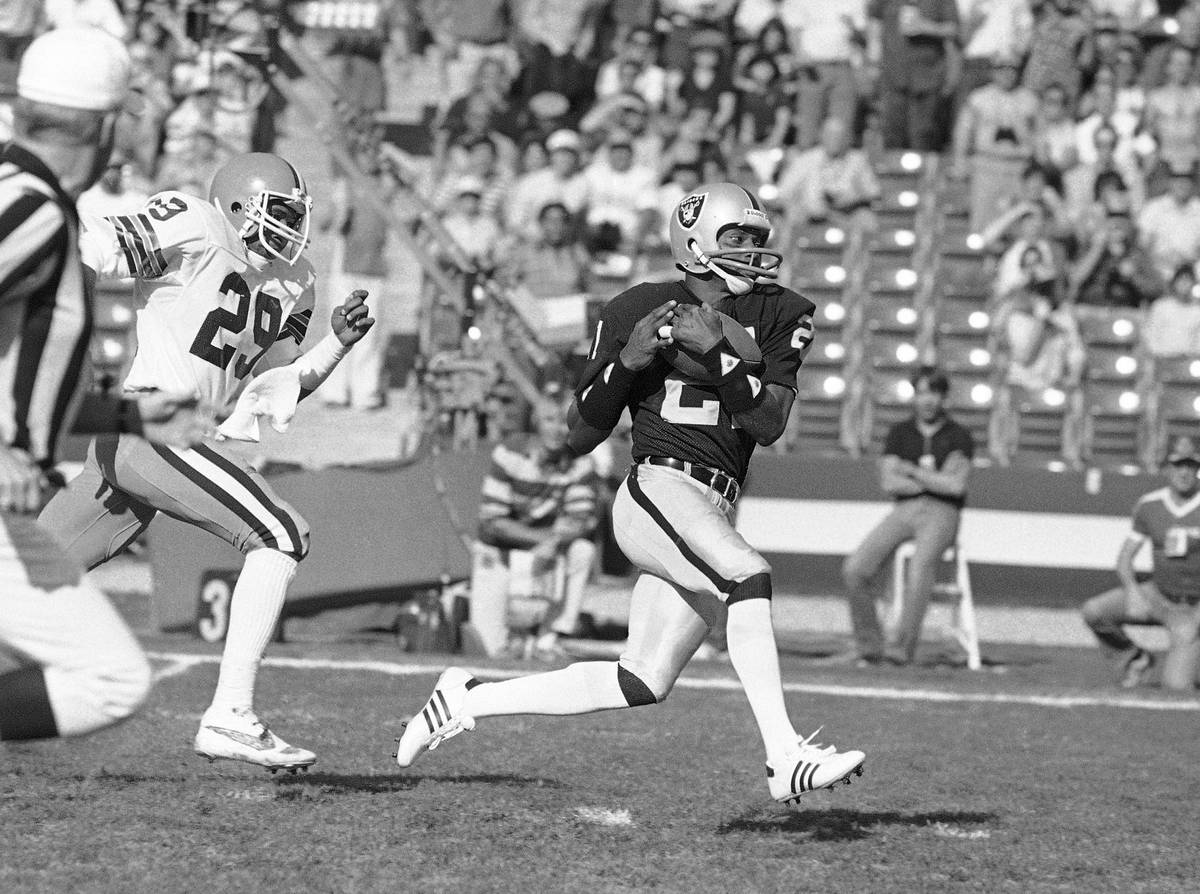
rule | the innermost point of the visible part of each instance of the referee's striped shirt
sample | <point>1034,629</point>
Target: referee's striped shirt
<point>45,316</point>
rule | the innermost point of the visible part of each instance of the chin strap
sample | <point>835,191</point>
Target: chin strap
<point>738,285</point>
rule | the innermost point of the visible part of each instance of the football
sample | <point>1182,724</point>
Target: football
<point>739,339</point>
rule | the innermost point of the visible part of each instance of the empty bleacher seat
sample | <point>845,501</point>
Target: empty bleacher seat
<point>1113,414</point>
<point>817,256</point>
<point>1042,420</point>
<point>889,312</point>
<point>113,339</point>
<point>1177,398</point>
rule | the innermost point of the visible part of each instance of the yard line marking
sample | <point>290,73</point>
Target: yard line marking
<point>604,817</point>
<point>187,660</point>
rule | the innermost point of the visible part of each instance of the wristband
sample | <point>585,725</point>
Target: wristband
<point>315,365</point>
<point>601,402</point>
<point>741,392</point>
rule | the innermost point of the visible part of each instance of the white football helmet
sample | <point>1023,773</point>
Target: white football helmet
<point>698,222</point>
<point>266,200</point>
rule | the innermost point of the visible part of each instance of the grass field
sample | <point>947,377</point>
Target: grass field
<point>1025,781</point>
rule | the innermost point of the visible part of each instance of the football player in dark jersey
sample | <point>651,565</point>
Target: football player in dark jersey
<point>693,434</point>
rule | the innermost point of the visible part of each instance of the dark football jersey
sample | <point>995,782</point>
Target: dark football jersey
<point>679,417</point>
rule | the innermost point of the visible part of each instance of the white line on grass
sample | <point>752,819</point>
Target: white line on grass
<point>601,816</point>
<point>184,661</point>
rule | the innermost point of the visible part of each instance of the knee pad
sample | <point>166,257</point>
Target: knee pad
<point>757,586</point>
<point>636,690</point>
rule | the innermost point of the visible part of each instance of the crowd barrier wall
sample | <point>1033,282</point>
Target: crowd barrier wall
<point>1033,537</point>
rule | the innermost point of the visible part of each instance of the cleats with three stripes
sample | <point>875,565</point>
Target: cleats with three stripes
<point>442,717</point>
<point>809,767</point>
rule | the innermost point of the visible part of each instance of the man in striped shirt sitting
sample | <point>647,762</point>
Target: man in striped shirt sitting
<point>534,554</point>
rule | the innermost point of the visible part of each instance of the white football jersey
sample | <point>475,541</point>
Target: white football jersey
<point>208,309</point>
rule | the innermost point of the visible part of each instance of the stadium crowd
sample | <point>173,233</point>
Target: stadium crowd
<point>554,139</point>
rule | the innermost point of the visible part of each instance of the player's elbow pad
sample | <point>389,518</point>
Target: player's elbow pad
<point>602,402</point>
<point>315,365</point>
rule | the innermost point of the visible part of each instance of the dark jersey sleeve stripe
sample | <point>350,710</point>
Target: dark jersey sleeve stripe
<point>140,245</point>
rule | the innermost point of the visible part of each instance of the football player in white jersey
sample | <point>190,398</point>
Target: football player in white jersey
<point>227,295</point>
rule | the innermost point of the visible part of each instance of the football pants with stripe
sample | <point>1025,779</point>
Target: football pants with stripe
<point>127,480</point>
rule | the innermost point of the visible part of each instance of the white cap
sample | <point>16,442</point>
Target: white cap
<point>77,67</point>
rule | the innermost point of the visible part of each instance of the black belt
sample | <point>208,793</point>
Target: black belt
<point>726,485</point>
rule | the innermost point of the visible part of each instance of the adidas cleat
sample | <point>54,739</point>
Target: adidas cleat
<point>810,767</point>
<point>239,735</point>
<point>442,717</point>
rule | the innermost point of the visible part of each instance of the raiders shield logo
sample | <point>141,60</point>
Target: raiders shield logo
<point>689,209</point>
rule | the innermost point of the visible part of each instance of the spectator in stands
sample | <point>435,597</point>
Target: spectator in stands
<point>1059,47</point>
<point>925,466</point>
<point>359,260</point>
<point>533,554</point>
<point>916,47</point>
<point>696,143</point>
<point>466,31</point>
<point>1079,183</point>
<point>1169,520</point>
<point>472,226</point>
<point>994,136</point>
<point>1036,335</point>
<point>1111,197</point>
<point>634,68</point>
<point>620,197</point>
<point>1169,225</point>
<point>1173,325</point>
<point>555,38</point>
<point>1173,111</point>
<point>829,182</point>
<point>1034,232</point>
<point>629,114</point>
<point>763,115</point>
<point>1131,95</point>
<point>545,113</point>
<point>561,182</point>
<point>828,42</point>
<point>477,159</point>
<point>1115,271</point>
<point>1131,145</point>
<point>705,84</point>
<point>689,22</point>
<point>453,139</point>
<point>552,263</point>
<point>1054,132</point>
<point>461,381</point>
<point>992,29</point>
<point>118,191</point>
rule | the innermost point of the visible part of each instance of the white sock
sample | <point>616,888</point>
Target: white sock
<point>579,688</point>
<point>754,656</point>
<point>253,615</point>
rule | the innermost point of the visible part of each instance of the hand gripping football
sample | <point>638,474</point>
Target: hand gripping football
<point>736,337</point>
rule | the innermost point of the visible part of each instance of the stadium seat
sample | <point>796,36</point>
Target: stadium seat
<point>113,338</point>
<point>900,242</point>
<point>890,274</point>
<point>968,364</point>
<point>955,593</point>
<point>820,402</point>
<point>1042,420</point>
<point>816,255</point>
<point>966,275</point>
<point>1178,412</point>
<point>889,400</point>
<point>964,316</point>
<point>1113,423</point>
<point>1176,398</point>
<point>890,350</point>
<point>890,312</point>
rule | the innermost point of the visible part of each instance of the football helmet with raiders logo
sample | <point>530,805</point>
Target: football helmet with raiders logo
<point>266,200</point>
<point>696,227</point>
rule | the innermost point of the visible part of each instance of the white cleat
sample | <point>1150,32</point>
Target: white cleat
<point>810,767</point>
<point>238,735</point>
<point>442,717</point>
